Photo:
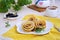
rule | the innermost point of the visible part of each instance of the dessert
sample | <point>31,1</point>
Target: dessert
<point>28,26</point>
<point>32,18</point>
<point>40,24</point>
<point>33,24</point>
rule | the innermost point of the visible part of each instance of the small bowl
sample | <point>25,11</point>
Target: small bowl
<point>52,11</point>
<point>10,18</point>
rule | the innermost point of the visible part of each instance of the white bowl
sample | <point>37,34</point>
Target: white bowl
<point>52,13</point>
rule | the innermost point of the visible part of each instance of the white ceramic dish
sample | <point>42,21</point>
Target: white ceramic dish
<point>14,18</point>
<point>52,13</point>
<point>49,25</point>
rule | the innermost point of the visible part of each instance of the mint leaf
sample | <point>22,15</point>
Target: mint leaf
<point>7,24</point>
<point>38,30</point>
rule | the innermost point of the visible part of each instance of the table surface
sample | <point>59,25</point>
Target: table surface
<point>21,13</point>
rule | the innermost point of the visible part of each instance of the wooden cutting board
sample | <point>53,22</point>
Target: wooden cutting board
<point>39,9</point>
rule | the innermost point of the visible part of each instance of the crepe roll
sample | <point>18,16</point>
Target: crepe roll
<point>32,18</point>
<point>40,24</point>
<point>28,26</point>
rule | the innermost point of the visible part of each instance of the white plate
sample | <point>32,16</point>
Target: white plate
<point>49,25</point>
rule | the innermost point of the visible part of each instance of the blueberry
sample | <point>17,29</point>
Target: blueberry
<point>11,15</point>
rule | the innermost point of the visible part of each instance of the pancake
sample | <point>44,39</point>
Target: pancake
<point>28,26</point>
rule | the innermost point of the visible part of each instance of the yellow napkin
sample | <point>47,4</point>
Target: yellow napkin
<point>52,35</point>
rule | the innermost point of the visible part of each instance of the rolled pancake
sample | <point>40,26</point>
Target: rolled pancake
<point>40,23</point>
<point>28,26</point>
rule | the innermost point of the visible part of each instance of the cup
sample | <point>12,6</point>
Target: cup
<point>52,11</point>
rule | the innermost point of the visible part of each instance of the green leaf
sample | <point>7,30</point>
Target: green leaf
<point>16,7</point>
<point>29,1</point>
<point>7,24</point>
<point>3,6</point>
<point>7,4</point>
<point>38,30</point>
<point>24,2</point>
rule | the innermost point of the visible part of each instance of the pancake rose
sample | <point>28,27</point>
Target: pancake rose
<point>32,18</point>
<point>28,26</point>
<point>40,23</point>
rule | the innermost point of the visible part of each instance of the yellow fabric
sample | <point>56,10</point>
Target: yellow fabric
<point>52,35</point>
